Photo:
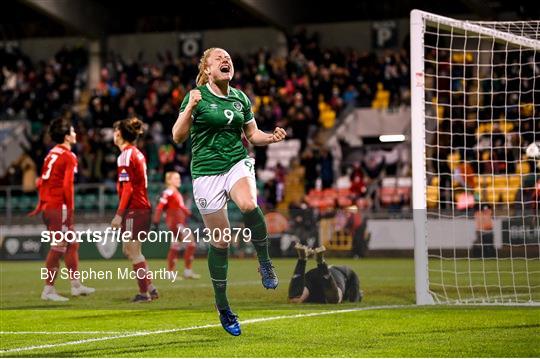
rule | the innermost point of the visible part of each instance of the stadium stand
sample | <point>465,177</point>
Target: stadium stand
<point>306,91</point>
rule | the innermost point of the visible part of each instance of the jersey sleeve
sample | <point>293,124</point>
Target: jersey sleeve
<point>125,187</point>
<point>183,207</point>
<point>125,196</point>
<point>68,186</point>
<point>69,175</point>
<point>247,109</point>
<point>184,103</point>
<point>163,201</point>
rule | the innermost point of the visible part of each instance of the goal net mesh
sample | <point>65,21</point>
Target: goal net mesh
<point>482,110</point>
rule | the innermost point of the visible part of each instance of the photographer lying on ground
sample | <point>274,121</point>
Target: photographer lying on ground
<point>324,284</point>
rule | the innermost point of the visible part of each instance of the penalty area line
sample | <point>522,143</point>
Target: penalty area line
<point>64,333</point>
<point>196,327</point>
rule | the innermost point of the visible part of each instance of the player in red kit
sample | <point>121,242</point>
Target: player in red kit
<point>134,210</point>
<point>176,215</point>
<point>56,203</point>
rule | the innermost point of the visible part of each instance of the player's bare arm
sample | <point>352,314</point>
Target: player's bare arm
<point>259,138</point>
<point>182,125</point>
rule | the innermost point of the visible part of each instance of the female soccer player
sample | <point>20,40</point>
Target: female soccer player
<point>176,218</point>
<point>134,210</point>
<point>215,115</point>
<point>56,201</point>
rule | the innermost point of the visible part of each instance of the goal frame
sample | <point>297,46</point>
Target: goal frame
<point>418,20</point>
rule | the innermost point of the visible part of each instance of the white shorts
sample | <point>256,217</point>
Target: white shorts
<point>211,193</point>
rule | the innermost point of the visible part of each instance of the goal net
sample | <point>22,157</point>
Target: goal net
<point>475,109</point>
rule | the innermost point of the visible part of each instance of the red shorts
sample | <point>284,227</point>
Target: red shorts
<point>137,221</point>
<point>55,219</point>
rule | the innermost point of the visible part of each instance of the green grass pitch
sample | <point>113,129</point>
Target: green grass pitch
<point>183,322</point>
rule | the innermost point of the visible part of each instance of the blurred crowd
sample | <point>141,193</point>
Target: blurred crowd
<point>485,117</point>
<point>304,92</point>
<point>485,120</point>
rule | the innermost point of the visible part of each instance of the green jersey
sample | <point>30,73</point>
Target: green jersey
<point>216,130</point>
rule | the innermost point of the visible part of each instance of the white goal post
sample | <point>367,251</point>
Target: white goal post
<point>475,107</point>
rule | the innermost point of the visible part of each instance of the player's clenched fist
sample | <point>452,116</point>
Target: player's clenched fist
<point>194,98</point>
<point>278,135</point>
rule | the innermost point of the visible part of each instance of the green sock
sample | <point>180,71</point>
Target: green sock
<point>254,220</point>
<point>218,263</point>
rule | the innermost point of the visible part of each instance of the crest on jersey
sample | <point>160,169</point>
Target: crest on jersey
<point>237,106</point>
<point>202,202</point>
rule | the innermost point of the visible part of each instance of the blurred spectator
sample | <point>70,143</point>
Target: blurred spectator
<point>309,162</point>
<point>358,186</point>
<point>294,186</point>
<point>303,222</point>
<point>270,194</point>
<point>301,91</point>
<point>464,175</point>
<point>483,246</point>
<point>327,168</point>
<point>29,172</point>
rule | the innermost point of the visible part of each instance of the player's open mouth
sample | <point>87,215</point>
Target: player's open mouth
<point>225,68</point>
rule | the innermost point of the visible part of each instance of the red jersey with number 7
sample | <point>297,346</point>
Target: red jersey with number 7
<point>56,181</point>
<point>132,180</point>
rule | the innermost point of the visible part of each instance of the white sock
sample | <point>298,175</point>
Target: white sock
<point>75,283</point>
<point>187,272</point>
<point>48,289</point>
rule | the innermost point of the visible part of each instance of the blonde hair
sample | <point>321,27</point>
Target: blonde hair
<point>168,176</point>
<point>202,77</point>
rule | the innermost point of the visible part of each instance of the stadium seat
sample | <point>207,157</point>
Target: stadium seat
<point>523,168</point>
<point>500,181</point>
<point>23,203</point>
<point>344,201</point>
<point>491,195</point>
<point>111,201</point>
<point>90,202</point>
<point>334,240</point>
<point>330,193</point>
<point>508,195</point>
<point>79,200</point>
<point>395,190</point>
<point>485,181</point>
<point>344,192</point>
<point>432,193</point>
<point>515,181</point>
<point>282,152</point>
<point>453,159</point>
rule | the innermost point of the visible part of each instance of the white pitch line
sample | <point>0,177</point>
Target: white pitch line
<point>63,333</point>
<point>166,331</point>
<point>174,286</point>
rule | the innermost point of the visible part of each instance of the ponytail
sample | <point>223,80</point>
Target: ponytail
<point>202,77</point>
<point>130,128</point>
